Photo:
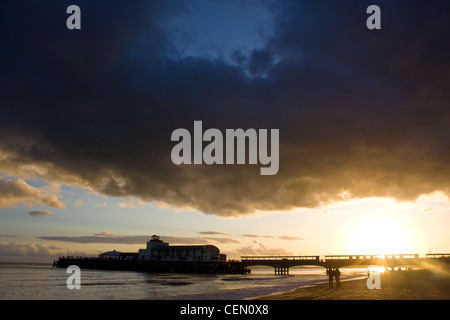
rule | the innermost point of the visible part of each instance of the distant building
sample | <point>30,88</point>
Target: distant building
<point>158,250</point>
<point>116,255</point>
<point>110,255</point>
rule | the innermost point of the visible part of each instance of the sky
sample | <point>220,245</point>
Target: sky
<point>86,117</point>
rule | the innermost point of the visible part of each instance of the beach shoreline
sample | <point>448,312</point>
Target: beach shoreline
<point>395,285</point>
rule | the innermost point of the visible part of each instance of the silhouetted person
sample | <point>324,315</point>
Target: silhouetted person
<point>337,275</point>
<point>330,277</point>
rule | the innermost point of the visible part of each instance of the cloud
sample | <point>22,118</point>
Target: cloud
<point>359,111</point>
<point>109,237</point>
<point>257,236</point>
<point>100,238</point>
<point>35,213</point>
<point>289,238</point>
<point>218,239</point>
<point>215,233</point>
<point>221,240</point>
<point>259,249</point>
<point>25,249</point>
<point>129,203</point>
<point>103,204</point>
<point>13,192</point>
<point>34,252</point>
<point>78,203</point>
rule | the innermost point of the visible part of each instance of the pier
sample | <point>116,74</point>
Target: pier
<point>160,256</point>
<point>218,267</point>
<point>281,264</point>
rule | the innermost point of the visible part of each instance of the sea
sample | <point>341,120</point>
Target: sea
<point>33,281</point>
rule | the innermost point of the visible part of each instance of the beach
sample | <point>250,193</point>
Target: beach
<point>395,285</point>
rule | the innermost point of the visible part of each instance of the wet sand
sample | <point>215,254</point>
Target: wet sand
<point>395,285</point>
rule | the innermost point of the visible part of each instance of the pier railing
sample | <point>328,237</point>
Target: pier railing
<point>371,257</point>
<point>445,256</point>
<point>281,258</point>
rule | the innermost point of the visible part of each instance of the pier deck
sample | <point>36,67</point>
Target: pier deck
<point>281,264</point>
<point>153,266</point>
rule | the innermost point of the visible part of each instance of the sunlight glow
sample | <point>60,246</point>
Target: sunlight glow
<point>380,236</point>
<point>376,269</point>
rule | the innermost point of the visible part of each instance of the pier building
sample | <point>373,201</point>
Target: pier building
<point>158,250</point>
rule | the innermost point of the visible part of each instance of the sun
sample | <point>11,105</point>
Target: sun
<point>380,236</point>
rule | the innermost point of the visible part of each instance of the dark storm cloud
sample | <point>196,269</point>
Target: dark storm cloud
<point>360,111</point>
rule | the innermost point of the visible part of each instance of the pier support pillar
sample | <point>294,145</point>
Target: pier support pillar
<point>281,270</point>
